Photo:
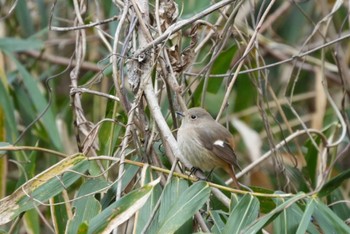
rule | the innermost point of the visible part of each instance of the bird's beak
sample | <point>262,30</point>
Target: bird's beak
<point>180,114</point>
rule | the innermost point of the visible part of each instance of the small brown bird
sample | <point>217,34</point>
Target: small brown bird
<point>206,144</point>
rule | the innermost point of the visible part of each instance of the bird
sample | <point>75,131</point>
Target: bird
<point>205,144</point>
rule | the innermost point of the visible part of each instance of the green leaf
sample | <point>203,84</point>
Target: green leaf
<point>289,219</point>
<point>23,15</point>
<point>189,202</point>
<point>334,183</point>
<point>3,144</point>
<point>31,221</point>
<point>328,221</point>
<point>221,65</point>
<point>40,103</point>
<point>40,188</point>
<point>145,212</point>
<point>266,203</point>
<point>11,44</point>
<point>86,206</point>
<point>121,210</point>
<point>43,13</point>
<point>219,224</point>
<point>244,213</point>
<point>258,224</point>
<point>171,194</point>
<point>311,161</point>
<point>59,212</point>
<point>7,106</point>
<point>338,207</point>
<point>129,174</point>
<point>306,218</point>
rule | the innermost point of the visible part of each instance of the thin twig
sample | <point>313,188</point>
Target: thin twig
<point>247,50</point>
<point>12,8</point>
<point>55,59</point>
<point>85,26</point>
<point>285,141</point>
<point>180,24</point>
<point>85,90</point>
<point>32,148</point>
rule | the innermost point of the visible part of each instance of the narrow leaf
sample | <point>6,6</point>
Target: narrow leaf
<point>244,213</point>
<point>121,210</point>
<point>86,206</point>
<point>171,194</point>
<point>188,203</point>
<point>144,214</point>
<point>59,212</point>
<point>258,224</point>
<point>40,103</point>
<point>42,187</point>
<point>334,183</point>
<point>16,45</point>
<point>8,109</point>
<point>219,225</point>
<point>306,219</point>
<point>328,221</point>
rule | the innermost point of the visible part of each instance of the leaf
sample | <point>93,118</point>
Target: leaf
<point>214,87</point>
<point>266,203</point>
<point>40,188</point>
<point>244,213</point>
<point>11,44</point>
<point>338,207</point>
<point>40,103</point>
<point>334,183</point>
<point>171,194</point>
<point>311,160</point>
<point>307,215</point>
<point>86,206</point>
<point>7,106</point>
<point>121,210</point>
<point>184,208</point>
<point>31,221</point>
<point>220,66</point>
<point>258,224</point>
<point>4,144</point>
<point>144,214</point>
<point>289,219</point>
<point>24,18</point>
<point>59,212</point>
<point>328,221</point>
<point>129,174</point>
<point>219,225</point>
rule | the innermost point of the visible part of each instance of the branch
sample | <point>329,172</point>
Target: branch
<point>180,24</point>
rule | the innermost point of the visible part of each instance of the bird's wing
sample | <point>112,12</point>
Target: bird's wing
<point>218,141</point>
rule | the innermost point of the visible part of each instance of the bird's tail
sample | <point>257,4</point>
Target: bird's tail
<point>229,169</point>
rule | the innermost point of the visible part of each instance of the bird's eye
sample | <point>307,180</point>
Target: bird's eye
<point>193,116</point>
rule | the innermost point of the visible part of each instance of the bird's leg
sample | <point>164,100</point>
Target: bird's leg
<point>193,170</point>
<point>209,174</point>
<point>198,173</point>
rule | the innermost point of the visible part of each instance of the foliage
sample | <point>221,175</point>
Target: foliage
<point>88,97</point>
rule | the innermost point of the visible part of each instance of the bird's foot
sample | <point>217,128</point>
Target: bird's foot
<point>198,173</point>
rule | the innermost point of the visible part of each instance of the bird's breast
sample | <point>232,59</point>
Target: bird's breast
<point>194,153</point>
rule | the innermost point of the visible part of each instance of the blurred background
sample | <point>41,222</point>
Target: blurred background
<point>275,73</point>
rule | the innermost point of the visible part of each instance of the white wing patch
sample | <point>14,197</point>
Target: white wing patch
<point>220,143</point>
